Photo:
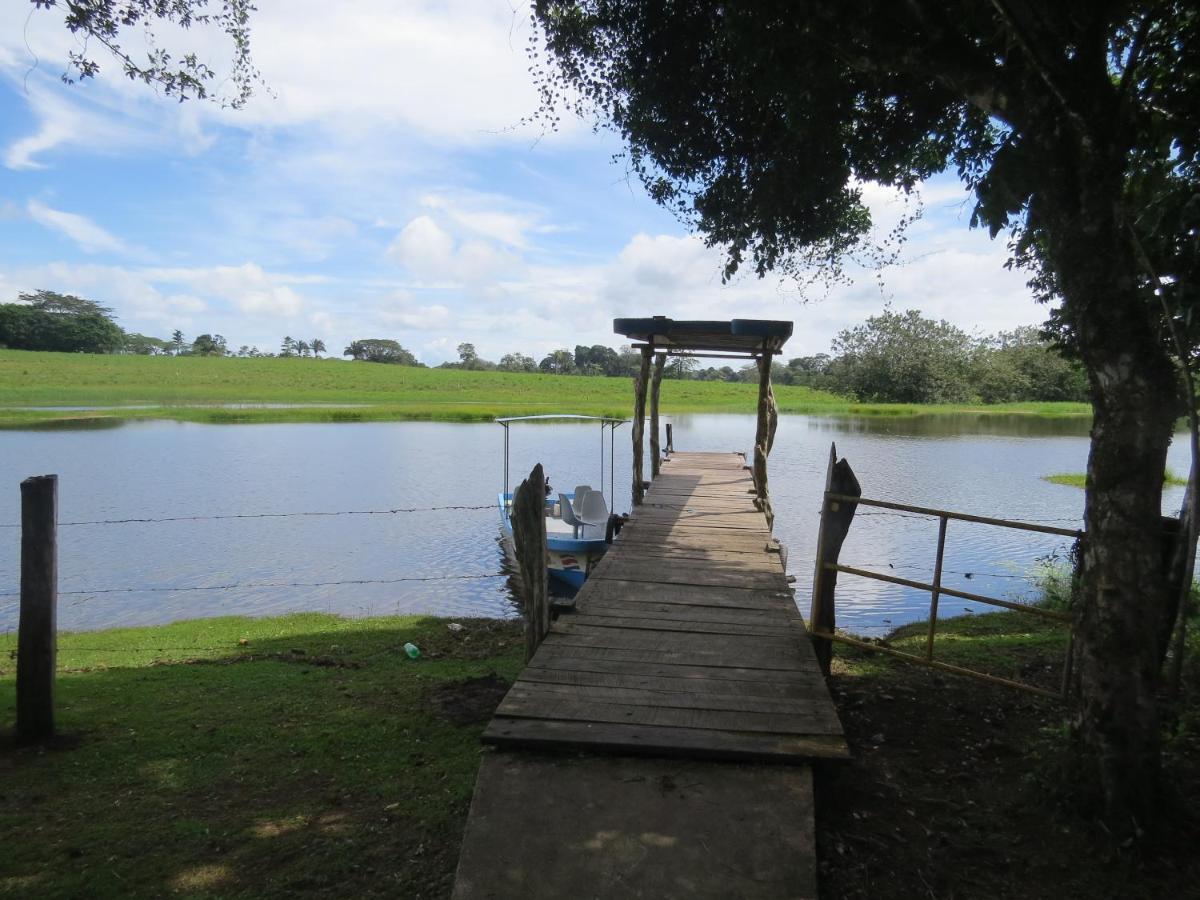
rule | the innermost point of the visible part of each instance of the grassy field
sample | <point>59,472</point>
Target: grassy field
<point>187,388</point>
<point>302,755</point>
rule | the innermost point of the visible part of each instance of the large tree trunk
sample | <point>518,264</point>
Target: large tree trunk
<point>1123,591</point>
<point>1124,595</point>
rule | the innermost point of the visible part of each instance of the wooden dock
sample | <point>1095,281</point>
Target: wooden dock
<point>685,643</point>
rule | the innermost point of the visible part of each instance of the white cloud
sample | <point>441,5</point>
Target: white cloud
<point>90,237</point>
<point>428,251</point>
<point>424,248</point>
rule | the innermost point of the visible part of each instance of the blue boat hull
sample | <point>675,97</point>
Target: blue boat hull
<point>571,560</point>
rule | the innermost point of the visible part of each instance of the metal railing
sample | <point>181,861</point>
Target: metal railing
<point>845,504</point>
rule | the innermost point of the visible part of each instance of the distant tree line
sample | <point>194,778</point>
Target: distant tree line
<point>894,357</point>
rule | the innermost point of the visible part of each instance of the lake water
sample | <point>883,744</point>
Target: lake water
<point>151,572</point>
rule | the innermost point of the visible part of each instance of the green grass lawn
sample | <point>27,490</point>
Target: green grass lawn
<point>179,387</point>
<point>252,757</point>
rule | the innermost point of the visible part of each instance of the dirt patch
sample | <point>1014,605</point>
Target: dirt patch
<point>953,792</point>
<point>469,702</point>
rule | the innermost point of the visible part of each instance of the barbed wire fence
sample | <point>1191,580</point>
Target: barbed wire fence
<point>9,603</point>
<point>36,646</point>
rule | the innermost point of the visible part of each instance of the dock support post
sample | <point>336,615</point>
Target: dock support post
<point>660,360</point>
<point>528,516</point>
<point>640,384</point>
<point>836,517</point>
<point>36,630</point>
<point>670,439</point>
<point>764,438</point>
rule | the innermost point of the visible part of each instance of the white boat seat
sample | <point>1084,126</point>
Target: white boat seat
<point>595,510</point>
<point>581,490</point>
<point>568,515</point>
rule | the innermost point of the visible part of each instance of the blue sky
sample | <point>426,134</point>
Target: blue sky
<point>384,187</point>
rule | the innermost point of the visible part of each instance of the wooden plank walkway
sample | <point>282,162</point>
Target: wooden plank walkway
<point>686,671</point>
<point>685,641</point>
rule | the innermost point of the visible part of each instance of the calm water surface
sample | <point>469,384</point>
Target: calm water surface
<point>984,465</point>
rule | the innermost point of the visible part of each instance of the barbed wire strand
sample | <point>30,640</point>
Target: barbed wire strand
<point>279,515</point>
<point>165,589</point>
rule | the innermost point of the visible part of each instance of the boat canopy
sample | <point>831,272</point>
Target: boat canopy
<point>607,420</point>
<point>609,423</point>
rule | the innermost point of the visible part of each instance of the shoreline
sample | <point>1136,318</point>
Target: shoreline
<point>280,412</point>
<point>40,389</point>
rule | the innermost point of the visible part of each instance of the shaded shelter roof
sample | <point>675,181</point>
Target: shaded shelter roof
<point>742,337</point>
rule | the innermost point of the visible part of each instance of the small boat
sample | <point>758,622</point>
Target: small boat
<point>577,521</point>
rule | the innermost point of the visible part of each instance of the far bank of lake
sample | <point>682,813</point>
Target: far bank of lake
<point>45,388</point>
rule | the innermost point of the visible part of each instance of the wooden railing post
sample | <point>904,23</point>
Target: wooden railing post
<point>36,631</point>
<point>528,517</point>
<point>937,585</point>
<point>640,383</point>
<point>836,516</point>
<point>660,360</point>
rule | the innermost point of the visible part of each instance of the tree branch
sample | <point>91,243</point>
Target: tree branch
<point>1024,38</point>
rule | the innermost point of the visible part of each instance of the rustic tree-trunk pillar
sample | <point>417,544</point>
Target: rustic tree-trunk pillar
<point>660,360</point>
<point>836,516</point>
<point>36,631</point>
<point>764,438</point>
<point>640,383</point>
<point>528,517</point>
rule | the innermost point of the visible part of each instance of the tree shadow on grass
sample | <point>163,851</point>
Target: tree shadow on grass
<point>310,761</point>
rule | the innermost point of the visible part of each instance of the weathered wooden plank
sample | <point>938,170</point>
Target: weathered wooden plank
<point>692,530</point>
<point>684,536</point>
<point>688,613</point>
<point>586,659</point>
<point>572,709</point>
<point>755,559</point>
<point>667,699</point>
<point>751,520</point>
<point>770,629</point>
<point>693,743</point>
<point>673,571</point>
<point>691,595</point>
<point>570,634</point>
<point>565,649</point>
<point>723,687</point>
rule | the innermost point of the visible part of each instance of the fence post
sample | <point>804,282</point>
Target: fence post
<point>528,517</point>
<point>935,594</point>
<point>836,517</point>
<point>36,652</point>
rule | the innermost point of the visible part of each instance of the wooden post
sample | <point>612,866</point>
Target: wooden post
<point>660,360</point>
<point>764,438</point>
<point>528,517</point>
<point>670,439</point>
<point>935,594</point>
<point>36,632</point>
<point>640,383</point>
<point>836,517</point>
